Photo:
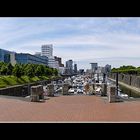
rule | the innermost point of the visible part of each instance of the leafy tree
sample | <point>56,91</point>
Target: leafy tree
<point>29,71</point>
<point>17,71</point>
<point>48,72</point>
<point>4,69</point>
<point>55,71</point>
<point>9,69</point>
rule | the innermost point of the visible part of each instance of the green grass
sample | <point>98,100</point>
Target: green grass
<point>6,81</point>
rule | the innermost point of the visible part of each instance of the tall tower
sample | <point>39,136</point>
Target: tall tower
<point>75,68</point>
<point>69,66</point>
<point>94,66</point>
<point>47,50</point>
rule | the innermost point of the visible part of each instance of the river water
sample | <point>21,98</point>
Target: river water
<point>129,92</point>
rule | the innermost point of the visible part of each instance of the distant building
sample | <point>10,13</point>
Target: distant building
<point>69,67</point>
<point>59,59</point>
<point>107,68</point>
<point>52,63</point>
<point>38,54</point>
<point>81,71</point>
<point>25,58</point>
<point>94,66</point>
<point>5,55</point>
<point>75,68</point>
<point>47,50</point>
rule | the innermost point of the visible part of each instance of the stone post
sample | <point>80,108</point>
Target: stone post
<point>34,94</point>
<point>111,92</point>
<point>65,89</point>
<point>104,89</point>
<point>50,89</point>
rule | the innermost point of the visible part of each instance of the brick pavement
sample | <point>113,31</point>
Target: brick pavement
<point>69,108</point>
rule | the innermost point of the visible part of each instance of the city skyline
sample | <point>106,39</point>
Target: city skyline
<point>114,41</point>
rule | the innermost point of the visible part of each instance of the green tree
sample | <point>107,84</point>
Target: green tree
<point>4,69</point>
<point>55,71</point>
<point>17,71</point>
<point>29,70</point>
<point>38,71</point>
<point>48,72</point>
<point>9,69</point>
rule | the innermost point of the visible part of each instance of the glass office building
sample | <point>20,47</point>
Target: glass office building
<point>5,55</point>
<point>25,58</point>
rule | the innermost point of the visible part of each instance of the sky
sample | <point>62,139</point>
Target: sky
<point>108,40</point>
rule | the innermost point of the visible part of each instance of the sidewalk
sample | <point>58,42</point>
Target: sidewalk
<point>69,109</point>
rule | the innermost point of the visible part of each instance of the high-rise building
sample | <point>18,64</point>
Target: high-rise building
<point>75,68</point>
<point>81,71</point>
<point>94,66</point>
<point>47,50</point>
<point>107,68</point>
<point>69,66</point>
<point>59,61</point>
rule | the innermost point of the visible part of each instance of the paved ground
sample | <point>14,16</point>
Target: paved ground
<point>69,108</point>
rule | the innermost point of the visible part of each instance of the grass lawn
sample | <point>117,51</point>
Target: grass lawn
<point>6,81</point>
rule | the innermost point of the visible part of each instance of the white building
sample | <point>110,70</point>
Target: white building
<point>47,50</point>
<point>52,63</point>
<point>38,54</point>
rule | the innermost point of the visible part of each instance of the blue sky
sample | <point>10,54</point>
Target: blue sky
<point>114,41</point>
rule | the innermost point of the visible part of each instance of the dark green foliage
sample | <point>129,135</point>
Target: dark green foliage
<point>17,71</point>
<point>55,72</point>
<point>4,69</point>
<point>30,70</point>
<point>9,69</point>
<point>127,70</point>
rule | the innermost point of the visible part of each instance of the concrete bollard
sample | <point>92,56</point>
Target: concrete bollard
<point>50,89</point>
<point>104,89</point>
<point>91,91</point>
<point>41,91</point>
<point>94,88</point>
<point>111,92</point>
<point>65,89</point>
<point>36,93</point>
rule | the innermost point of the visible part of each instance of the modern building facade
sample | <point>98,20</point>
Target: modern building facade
<point>25,58</point>
<point>52,63</point>
<point>94,66</point>
<point>59,59</point>
<point>47,50</point>
<point>69,67</point>
<point>38,54</point>
<point>75,68</point>
<point>5,55</point>
<point>81,71</point>
<point>107,68</point>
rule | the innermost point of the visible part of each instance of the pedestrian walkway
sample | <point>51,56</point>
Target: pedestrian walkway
<point>69,109</point>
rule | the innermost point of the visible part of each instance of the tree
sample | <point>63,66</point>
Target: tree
<point>29,70</point>
<point>4,69</point>
<point>9,69</point>
<point>55,71</point>
<point>17,71</point>
<point>38,71</point>
<point>48,72</point>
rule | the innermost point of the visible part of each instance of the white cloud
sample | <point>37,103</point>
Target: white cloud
<point>104,37</point>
